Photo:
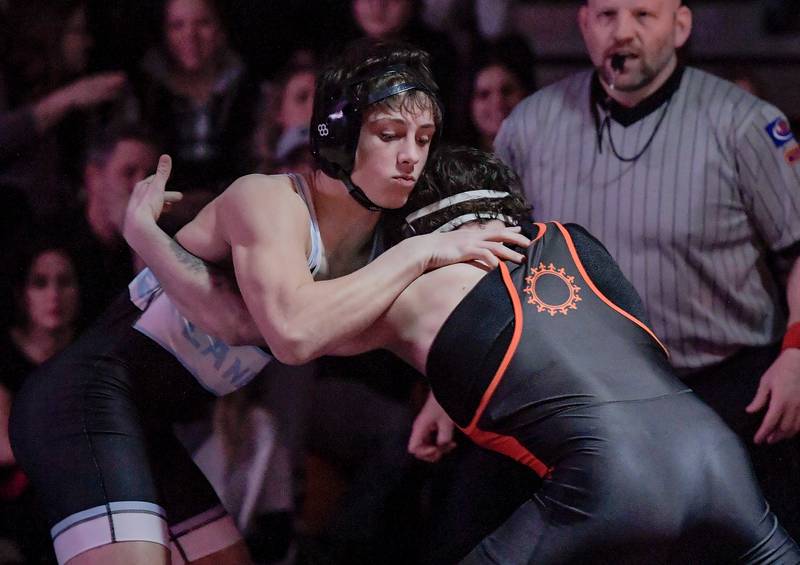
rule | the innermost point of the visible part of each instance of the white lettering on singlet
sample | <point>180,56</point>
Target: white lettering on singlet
<point>217,366</point>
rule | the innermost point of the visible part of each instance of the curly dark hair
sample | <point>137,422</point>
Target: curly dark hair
<point>454,170</point>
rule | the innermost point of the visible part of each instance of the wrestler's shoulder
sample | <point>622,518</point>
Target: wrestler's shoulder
<point>259,184</point>
<point>258,188</point>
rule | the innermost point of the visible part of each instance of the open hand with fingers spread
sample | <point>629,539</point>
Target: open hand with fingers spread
<point>148,200</point>
<point>484,243</point>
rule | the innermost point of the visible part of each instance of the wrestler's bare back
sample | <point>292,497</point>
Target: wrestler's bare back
<point>410,325</point>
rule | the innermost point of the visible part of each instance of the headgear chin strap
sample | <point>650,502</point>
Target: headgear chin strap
<point>359,196</point>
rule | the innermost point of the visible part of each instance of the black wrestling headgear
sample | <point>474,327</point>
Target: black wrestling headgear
<point>336,122</point>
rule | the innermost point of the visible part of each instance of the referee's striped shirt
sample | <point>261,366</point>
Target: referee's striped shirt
<point>691,222</point>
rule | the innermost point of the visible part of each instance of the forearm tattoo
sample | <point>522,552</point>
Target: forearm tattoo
<point>194,263</point>
<point>219,278</point>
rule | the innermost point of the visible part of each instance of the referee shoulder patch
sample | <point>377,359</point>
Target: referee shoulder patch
<point>779,131</point>
<point>792,155</point>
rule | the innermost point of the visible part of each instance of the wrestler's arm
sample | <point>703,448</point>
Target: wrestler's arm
<point>769,184</point>
<point>432,433</point>
<point>301,318</point>
<point>267,231</point>
<point>205,294</point>
<point>779,387</point>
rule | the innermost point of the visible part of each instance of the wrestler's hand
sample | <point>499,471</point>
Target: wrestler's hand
<point>432,432</point>
<point>481,243</point>
<point>779,390</point>
<point>148,199</point>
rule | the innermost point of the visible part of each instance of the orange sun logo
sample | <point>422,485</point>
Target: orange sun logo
<point>536,276</point>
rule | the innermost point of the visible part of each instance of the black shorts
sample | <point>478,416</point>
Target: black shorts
<point>92,429</point>
<point>656,481</point>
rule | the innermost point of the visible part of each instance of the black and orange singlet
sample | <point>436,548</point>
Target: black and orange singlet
<point>552,363</point>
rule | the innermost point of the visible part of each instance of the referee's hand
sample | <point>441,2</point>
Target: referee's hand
<point>779,391</point>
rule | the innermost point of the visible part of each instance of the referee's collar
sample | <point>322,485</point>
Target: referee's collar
<point>627,116</point>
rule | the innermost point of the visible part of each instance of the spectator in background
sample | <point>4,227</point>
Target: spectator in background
<point>284,122</point>
<point>294,155</point>
<point>117,159</point>
<point>196,91</point>
<point>490,19</point>
<point>46,293</point>
<point>744,78</point>
<point>501,77</point>
<point>49,105</point>
<point>393,20</point>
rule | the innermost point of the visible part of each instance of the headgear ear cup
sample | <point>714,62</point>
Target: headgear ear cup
<point>331,135</point>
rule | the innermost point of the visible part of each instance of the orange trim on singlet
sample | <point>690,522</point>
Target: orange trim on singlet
<point>511,447</point>
<point>512,348</point>
<point>542,229</point>
<point>599,294</point>
<point>506,445</point>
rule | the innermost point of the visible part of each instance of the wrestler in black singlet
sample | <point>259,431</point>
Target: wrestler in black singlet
<point>562,375</point>
<point>93,426</point>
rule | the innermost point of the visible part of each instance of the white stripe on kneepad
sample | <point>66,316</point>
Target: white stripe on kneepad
<point>204,540</point>
<point>103,510</point>
<point>132,524</point>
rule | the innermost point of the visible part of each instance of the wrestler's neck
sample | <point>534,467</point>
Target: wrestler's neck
<point>346,227</point>
<point>629,99</point>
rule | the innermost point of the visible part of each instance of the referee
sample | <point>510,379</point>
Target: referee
<point>694,187</point>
